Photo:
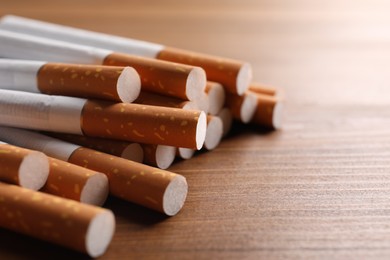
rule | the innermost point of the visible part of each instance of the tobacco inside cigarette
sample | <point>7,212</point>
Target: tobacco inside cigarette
<point>77,183</point>
<point>126,150</point>
<point>161,156</point>
<point>216,96</point>
<point>144,124</point>
<point>227,120</point>
<point>147,186</point>
<point>168,78</point>
<point>234,75</point>
<point>242,107</point>
<point>268,112</point>
<point>214,132</point>
<point>23,167</point>
<point>78,226</point>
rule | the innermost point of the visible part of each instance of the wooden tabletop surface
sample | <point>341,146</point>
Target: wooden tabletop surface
<point>319,188</point>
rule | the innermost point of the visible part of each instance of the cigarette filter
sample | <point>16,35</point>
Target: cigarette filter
<point>161,156</point>
<point>214,132</point>
<point>216,97</point>
<point>147,98</point>
<point>23,167</point>
<point>167,78</point>
<point>122,121</point>
<point>227,120</point>
<point>234,75</point>
<point>126,150</point>
<point>120,84</point>
<point>78,226</point>
<point>77,183</point>
<point>242,107</point>
<point>268,112</point>
<point>185,153</point>
<point>145,124</point>
<point>147,186</point>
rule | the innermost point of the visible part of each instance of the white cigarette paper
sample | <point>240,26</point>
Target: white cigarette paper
<point>43,112</point>
<point>20,75</point>
<point>68,34</point>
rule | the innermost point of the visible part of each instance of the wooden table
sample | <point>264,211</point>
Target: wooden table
<point>319,188</point>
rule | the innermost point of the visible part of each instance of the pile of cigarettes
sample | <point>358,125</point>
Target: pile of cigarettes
<point>84,115</point>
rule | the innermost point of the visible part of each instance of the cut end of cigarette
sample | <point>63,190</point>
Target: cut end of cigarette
<point>190,105</point>
<point>175,195</point>
<point>214,133</point>
<point>95,190</point>
<point>99,233</point>
<point>196,83</point>
<point>227,120</point>
<point>128,85</point>
<point>216,96</point>
<point>34,170</point>
<point>186,153</point>
<point>248,107</point>
<point>165,155</point>
<point>277,115</point>
<point>244,78</point>
<point>133,152</point>
<point>201,130</point>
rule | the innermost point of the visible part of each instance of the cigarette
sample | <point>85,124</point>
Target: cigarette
<point>77,183</point>
<point>167,78</point>
<point>150,187</point>
<point>214,132</point>
<point>97,118</point>
<point>242,107</point>
<point>227,120</point>
<point>268,112</point>
<point>23,167</point>
<point>234,75</point>
<point>123,149</point>
<point>262,89</point>
<point>161,156</point>
<point>85,228</point>
<point>120,84</point>
<point>216,96</point>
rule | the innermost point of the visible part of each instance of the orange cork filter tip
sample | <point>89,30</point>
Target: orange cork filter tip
<point>121,84</point>
<point>268,112</point>
<point>167,78</point>
<point>144,124</point>
<point>262,89</point>
<point>148,186</point>
<point>126,150</point>
<point>234,75</point>
<point>77,183</point>
<point>24,167</point>
<point>78,226</point>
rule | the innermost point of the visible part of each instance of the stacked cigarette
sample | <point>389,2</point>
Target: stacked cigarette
<point>110,105</point>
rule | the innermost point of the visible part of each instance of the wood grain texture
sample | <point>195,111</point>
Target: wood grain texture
<point>319,188</point>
